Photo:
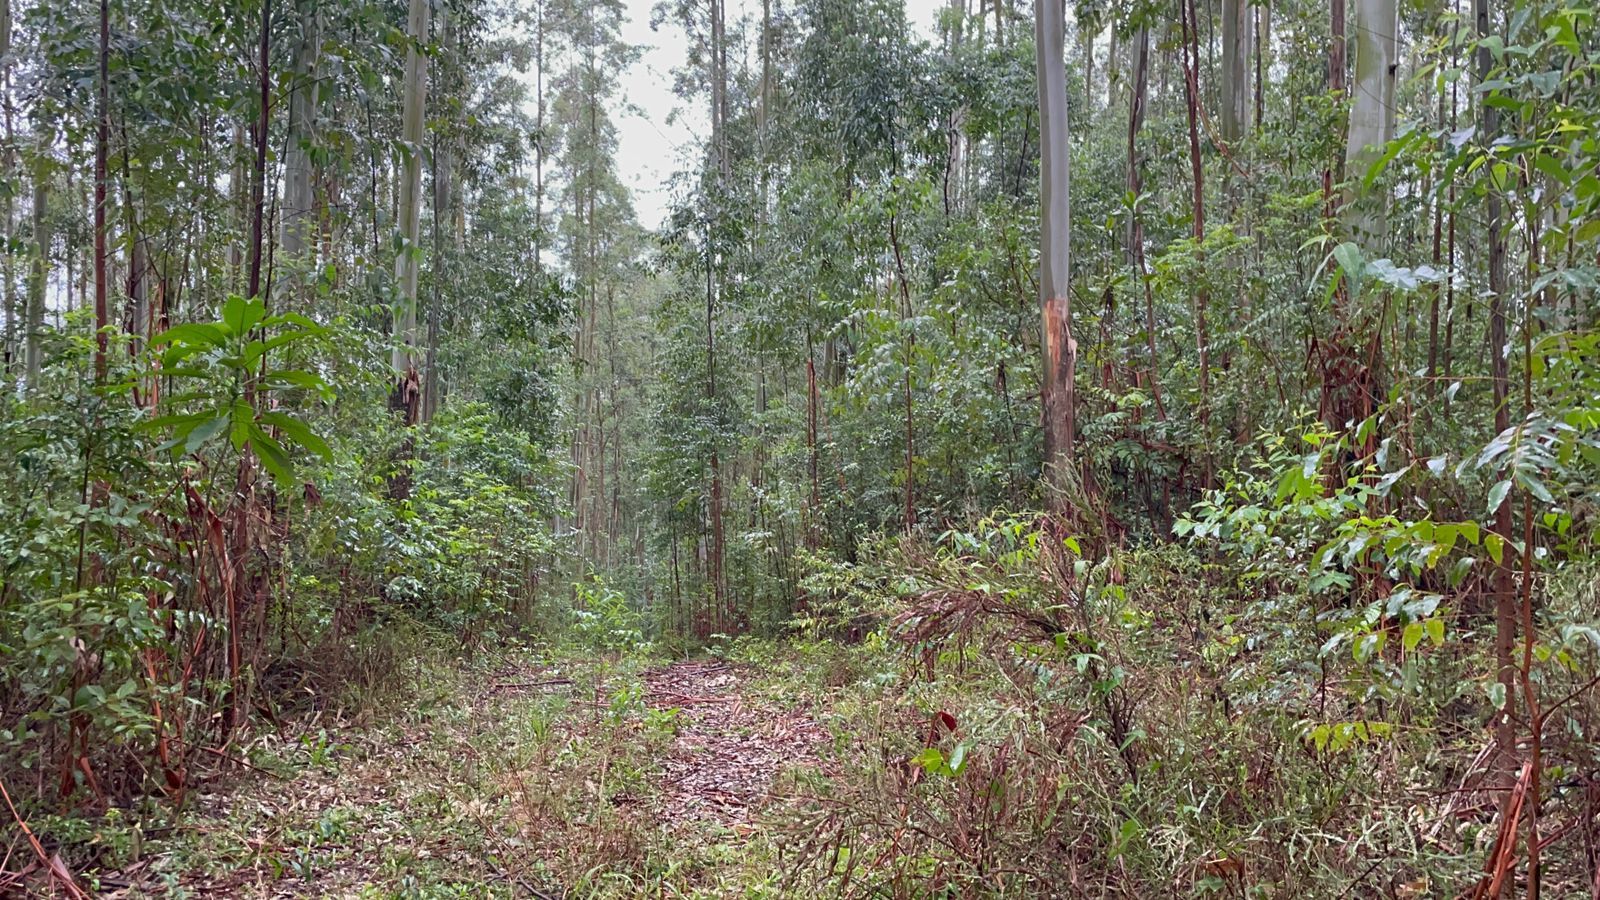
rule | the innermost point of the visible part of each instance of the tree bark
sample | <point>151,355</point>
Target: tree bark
<point>1059,387</point>
<point>811,445</point>
<point>540,139</point>
<point>442,201</point>
<point>406,396</point>
<point>910,513</point>
<point>956,126</point>
<point>1263,58</point>
<point>1191,48</point>
<point>258,180</point>
<point>719,137</point>
<point>1503,588</point>
<point>1372,117</point>
<point>39,274</point>
<point>297,216</point>
<point>102,143</point>
<point>1236,40</point>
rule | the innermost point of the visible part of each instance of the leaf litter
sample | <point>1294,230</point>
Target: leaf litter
<point>452,792</point>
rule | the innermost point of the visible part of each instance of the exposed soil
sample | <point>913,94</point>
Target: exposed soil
<point>728,749</point>
<point>447,797</point>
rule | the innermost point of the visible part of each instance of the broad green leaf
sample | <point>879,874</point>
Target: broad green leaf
<point>1497,694</point>
<point>930,759</point>
<point>958,758</point>
<point>271,454</point>
<point>298,432</point>
<point>1435,630</point>
<point>1497,495</point>
<point>240,315</point>
<point>197,334</point>
<point>205,433</point>
<point>1496,545</point>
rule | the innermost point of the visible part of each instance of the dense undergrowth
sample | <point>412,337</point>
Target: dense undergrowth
<point>166,588</point>
<point>1007,717</point>
<point>367,470</point>
<point>1133,739</point>
<point>1012,721</point>
<point>1299,696</point>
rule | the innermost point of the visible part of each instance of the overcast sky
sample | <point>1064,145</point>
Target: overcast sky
<point>654,142</point>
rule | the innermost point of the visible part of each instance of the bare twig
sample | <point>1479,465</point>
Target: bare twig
<point>52,864</point>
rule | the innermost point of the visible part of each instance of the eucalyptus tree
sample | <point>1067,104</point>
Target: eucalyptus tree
<point>597,235</point>
<point>407,394</point>
<point>1059,384</point>
<point>296,216</point>
<point>1237,41</point>
<point>1505,601</point>
<point>1372,115</point>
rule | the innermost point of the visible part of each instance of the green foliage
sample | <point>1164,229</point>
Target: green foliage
<point>233,387</point>
<point>603,619</point>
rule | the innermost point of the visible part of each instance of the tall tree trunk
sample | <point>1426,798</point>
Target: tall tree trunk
<point>719,139</point>
<point>443,212</point>
<point>1336,45</point>
<point>1058,387</point>
<point>956,126</point>
<point>102,144</point>
<point>910,516</point>
<point>1138,93</point>
<point>258,180</point>
<point>1236,40</point>
<point>715,554</point>
<point>1505,598</point>
<point>12,342</point>
<point>1086,38</point>
<point>539,132</point>
<point>442,201</point>
<point>1372,116</point>
<point>1448,351</point>
<point>719,90</point>
<point>1438,358</point>
<point>1333,173</point>
<point>296,220</point>
<point>1263,57</point>
<point>1191,66</point>
<point>765,100</point>
<point>406,396</point>
<point>815,508</point>
<point>39,274</point>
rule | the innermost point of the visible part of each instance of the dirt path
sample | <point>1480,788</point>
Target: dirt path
<point>567,778</point>
<point>729,747</point>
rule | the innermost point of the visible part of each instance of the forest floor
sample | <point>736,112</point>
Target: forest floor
<point>531,778</point>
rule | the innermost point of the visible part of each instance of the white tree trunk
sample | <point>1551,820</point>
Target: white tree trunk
<point>1372,114</point>
<point>1055,227</point>
<point>956,127</point>
<point>1237,36</point>
<point>297,216</point>
<point>39,272</point>
<point>406,264</point>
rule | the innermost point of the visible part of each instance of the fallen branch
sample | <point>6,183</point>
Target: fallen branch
<point>52,864</point>
<point>234,759</point>
<point>689,698</point>
<point>227,757</point>
<point>1498,865</point>
<point>552,682</point>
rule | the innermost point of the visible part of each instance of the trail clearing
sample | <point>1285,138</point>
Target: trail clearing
<point>528,780</point>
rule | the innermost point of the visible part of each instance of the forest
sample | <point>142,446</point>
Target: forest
<point>1047,448</point>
